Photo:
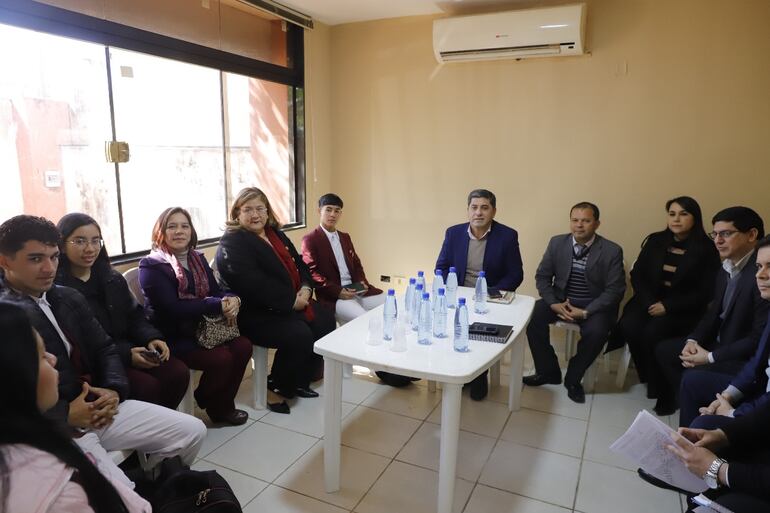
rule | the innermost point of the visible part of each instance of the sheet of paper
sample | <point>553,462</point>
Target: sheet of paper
<point>645,443</point>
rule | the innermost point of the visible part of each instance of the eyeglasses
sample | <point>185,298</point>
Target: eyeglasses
<point>724,234</point>
<point>82,243</point>
<point>251,210</point>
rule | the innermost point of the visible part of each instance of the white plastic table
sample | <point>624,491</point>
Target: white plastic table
<point>437,362</point>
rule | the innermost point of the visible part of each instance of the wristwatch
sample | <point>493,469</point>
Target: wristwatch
<point>712,474</point>
<point>585,314</point>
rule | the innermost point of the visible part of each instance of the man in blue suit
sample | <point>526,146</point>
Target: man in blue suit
<point>739,394</point>
<point>580,280</point>
<point>482,244</point>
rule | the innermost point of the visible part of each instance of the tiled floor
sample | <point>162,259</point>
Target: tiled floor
<point>552,456</point>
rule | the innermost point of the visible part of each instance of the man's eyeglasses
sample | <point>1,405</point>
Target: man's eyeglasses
<point>724,234</point>
<point>81,243</point>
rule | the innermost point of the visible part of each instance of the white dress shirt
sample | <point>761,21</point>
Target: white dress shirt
<point>339,255</point>
<point>45,306</point>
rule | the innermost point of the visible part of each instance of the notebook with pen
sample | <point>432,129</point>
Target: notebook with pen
<point>488,332</point>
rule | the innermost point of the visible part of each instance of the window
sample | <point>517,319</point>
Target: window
<point>197,133</point>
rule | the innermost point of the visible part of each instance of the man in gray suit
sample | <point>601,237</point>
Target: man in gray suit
<point>580,280</point>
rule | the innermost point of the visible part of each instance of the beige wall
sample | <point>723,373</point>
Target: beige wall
<point>690,116</point>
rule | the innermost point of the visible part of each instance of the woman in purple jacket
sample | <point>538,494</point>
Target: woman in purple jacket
<point>180,289</point>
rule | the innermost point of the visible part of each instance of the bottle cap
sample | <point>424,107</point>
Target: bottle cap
<point>439,273</point>
<point>441,291</point>
<point>412,281</point>
<point>420,274</point>
<point>482,274</point>
<point>426,295</point>
<point>391,292</point>
<point>453,269</point>
<point>419,286</point>
<point>461,301</point>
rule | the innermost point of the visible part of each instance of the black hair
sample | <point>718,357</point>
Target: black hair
<point>18,230</point>
<point>763,242</point>
<point>23,423</point>
<point>483,193</point>
<point>330,199</point>
<point>68,224</point>
<point>743,218</point>
<point>690,205</point>
<point>586,205</point>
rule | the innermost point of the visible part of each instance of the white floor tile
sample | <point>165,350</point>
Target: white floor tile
<point>606,489</point>
<point>472,452</point>
<point>553,399</point>
<point>617,410</point>
<point>307,417</point>
<point>411,401</point>
<point>262,451</point>
<point>244,487</point>
<point>406,488</point>
<point>244,400</point>
<point>278,500</point>
<point>377,431</point>
<point>600,436</point>
<point>534,473</point>
<point>359,471</point>
<point>216,436</point>
<point>546,431</point>
<point>356,389</point>
<point>490,500</point>
<point>483,417</point>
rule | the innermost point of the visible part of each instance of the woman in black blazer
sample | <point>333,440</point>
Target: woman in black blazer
<point>673,280</point>
<point>260,264</point>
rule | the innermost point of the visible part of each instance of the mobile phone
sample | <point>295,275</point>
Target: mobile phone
<point>151,354</point>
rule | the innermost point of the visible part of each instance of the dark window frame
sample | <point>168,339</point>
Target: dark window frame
<point>61,22</point>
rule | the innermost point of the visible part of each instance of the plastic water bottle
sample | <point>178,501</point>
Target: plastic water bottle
<point>451,287</point>
<point>416,299</point>
<point>389,314</point>
<point>424,324</point>
<point>461,327</point>
<point>439,314</point>
<point>421,280</point>
<point>438,282</point>
<point>409,299</point>
<point>480,305</point>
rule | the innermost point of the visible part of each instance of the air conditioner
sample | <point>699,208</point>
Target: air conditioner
<point>547,32</point>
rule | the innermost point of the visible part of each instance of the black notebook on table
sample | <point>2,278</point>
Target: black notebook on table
<point>488,332</point>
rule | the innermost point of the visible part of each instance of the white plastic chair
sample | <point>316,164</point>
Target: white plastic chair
<point>132,278</point>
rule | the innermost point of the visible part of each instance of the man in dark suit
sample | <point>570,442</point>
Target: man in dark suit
<point>739,394</point>
<point>340,281</point>
<point>727,335</point>
<point>580,280</point>
<point>482,244</point>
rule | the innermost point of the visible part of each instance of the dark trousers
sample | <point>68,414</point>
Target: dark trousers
<point>642,332</point>
<point>293,336</point>
<point>699,388</point>
<point>223,368</point>
<point>164,385</point>
<point>593,335</point>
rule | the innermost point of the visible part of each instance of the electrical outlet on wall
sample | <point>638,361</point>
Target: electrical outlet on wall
<point>384,278</point>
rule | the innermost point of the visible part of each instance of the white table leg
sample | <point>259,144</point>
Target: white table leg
<point>494,374</point>
<point>450,433</point>
<point>517,369</point>
<point>332,423</point>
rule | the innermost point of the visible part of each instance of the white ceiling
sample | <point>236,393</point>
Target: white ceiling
<point>334,12</point>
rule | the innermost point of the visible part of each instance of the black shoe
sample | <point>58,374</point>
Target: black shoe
<point>479,387</point>
<point>576,393</point>
<point>283,392</point>
<point>306,392</point>
<point>535,380</point>
<point>654,481</point>
<point>234,418</point>
<point>281,407</point>
<point>394,380</point>
<point>664,407</point>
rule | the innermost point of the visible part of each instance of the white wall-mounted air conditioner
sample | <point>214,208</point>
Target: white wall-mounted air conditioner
<point>546,32</point>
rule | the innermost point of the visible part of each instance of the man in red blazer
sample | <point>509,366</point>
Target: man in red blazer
<point>337,271</point>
